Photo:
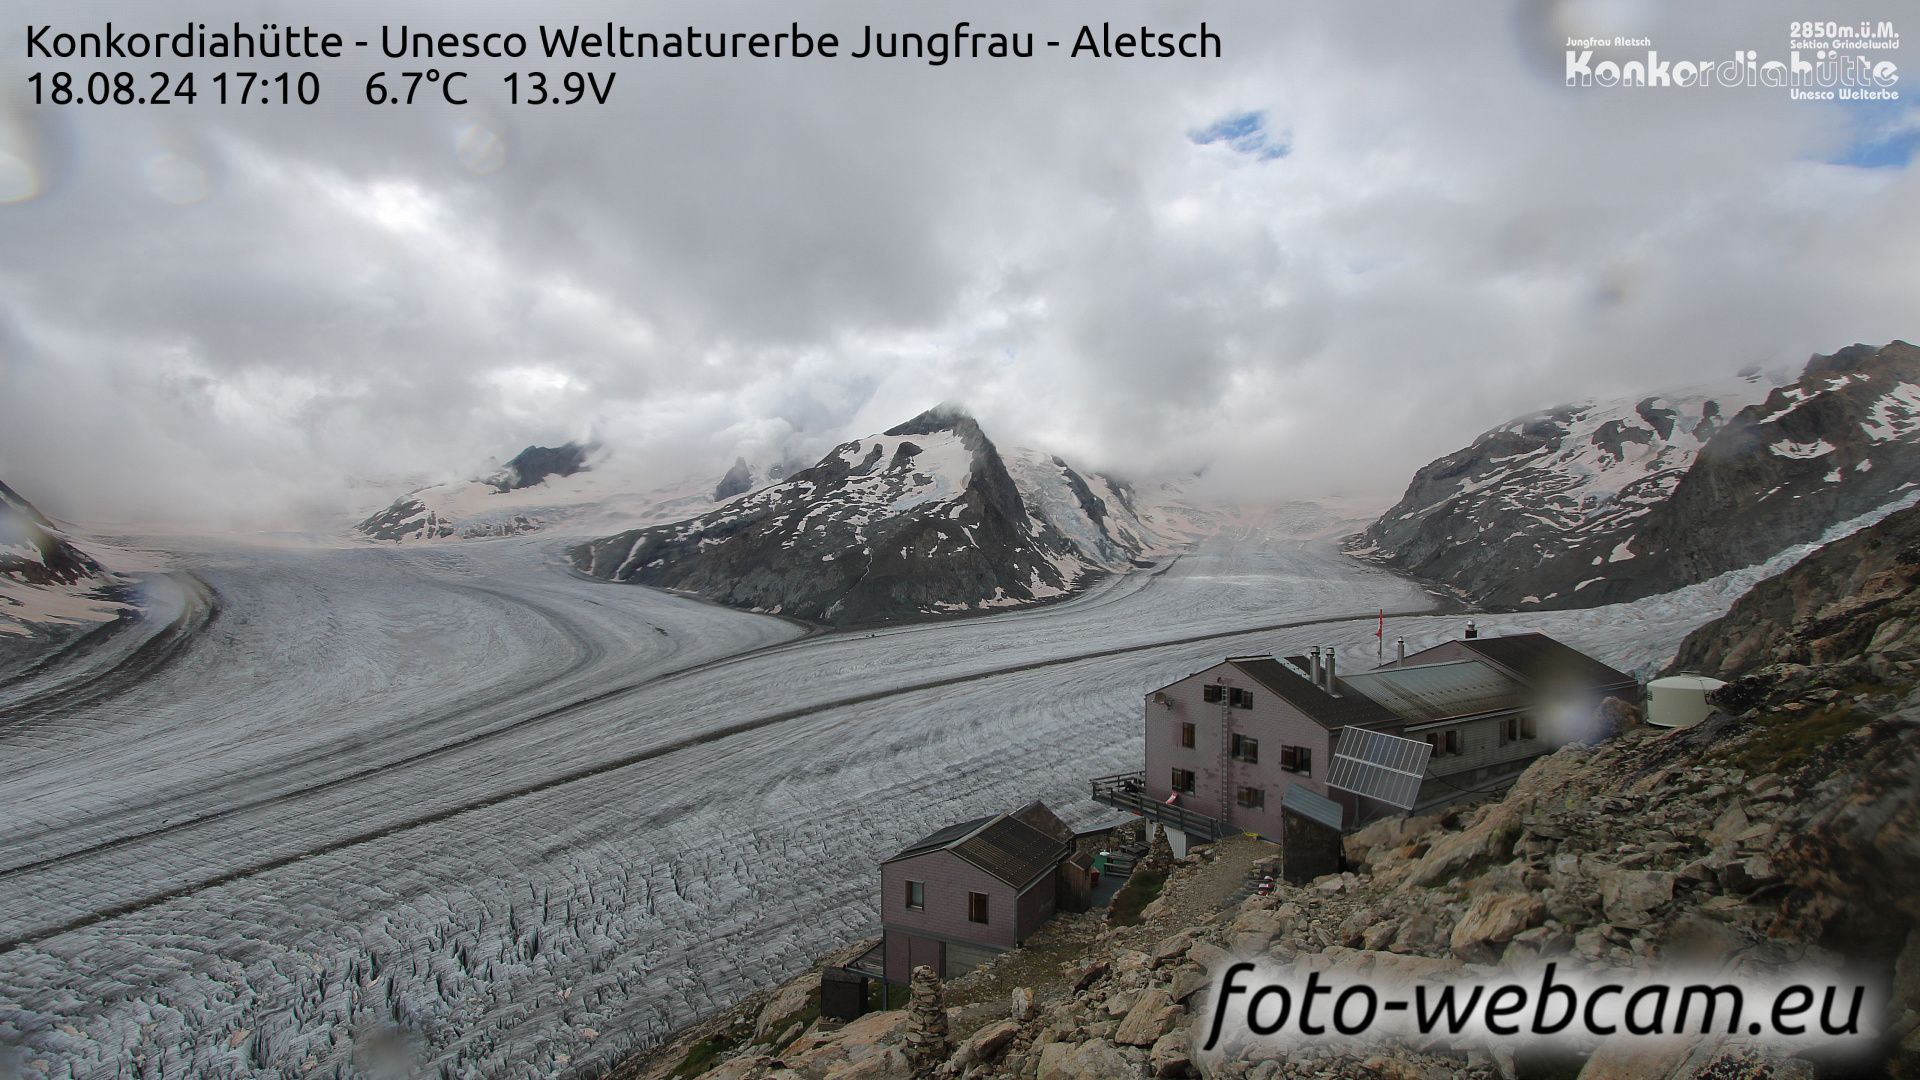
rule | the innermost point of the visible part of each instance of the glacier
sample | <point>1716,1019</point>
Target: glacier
<point>455,803</point>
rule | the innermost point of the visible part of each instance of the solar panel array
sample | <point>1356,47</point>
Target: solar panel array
<point>1383,767</point>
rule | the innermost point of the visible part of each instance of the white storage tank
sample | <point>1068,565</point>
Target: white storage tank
<point>1679,701</point>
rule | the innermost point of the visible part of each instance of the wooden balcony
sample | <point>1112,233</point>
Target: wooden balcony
<point>1128,791</point>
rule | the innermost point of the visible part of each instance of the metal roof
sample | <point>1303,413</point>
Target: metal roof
<point>1327,710</point>
<point>1313,806</point>
<point>1432,692</point>
<point>1548,664</point>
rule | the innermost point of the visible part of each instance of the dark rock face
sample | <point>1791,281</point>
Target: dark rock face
<point>1856,596</point>
<point>922,520</point>
<point>536,463</point>
<point>738,481</point>
<point>32,548</point>
<point>1596,503</point>
<point>406,519</point>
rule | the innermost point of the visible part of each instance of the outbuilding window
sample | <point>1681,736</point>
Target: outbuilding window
<point>977,907</point>
<point>916,896</point>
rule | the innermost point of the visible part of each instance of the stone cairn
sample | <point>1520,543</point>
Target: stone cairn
<point>1159,853</point>
<point>926,1042</point>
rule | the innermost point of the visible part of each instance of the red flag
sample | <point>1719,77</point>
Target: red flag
<point>1172,796</point>
<point>1382,632</point>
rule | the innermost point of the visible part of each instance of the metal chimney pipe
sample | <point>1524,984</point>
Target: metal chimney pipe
<point>1472,630</point>
<point>1313,656</point>
<point>1400,650</point>
<point>1333,686</point>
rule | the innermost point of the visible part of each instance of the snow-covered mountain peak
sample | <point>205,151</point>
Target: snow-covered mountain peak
<point>1602,501</point>
<point>928,518</point>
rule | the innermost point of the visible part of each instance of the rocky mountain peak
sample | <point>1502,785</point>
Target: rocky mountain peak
<point>738,481</point>
<point>33,549</point>
<point>536,463</point>
<point>946,416</point>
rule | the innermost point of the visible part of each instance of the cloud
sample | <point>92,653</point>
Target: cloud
<point>221,316</point>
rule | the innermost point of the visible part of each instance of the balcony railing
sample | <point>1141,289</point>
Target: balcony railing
<point>1128,791</point>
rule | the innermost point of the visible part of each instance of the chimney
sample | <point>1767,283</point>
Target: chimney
<point>1313,655</point>
<point>1472,630</point>
<point>1400,650</point>
<point>1333,687</point>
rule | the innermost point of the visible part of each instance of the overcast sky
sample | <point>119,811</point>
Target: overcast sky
<point>1366,234</point>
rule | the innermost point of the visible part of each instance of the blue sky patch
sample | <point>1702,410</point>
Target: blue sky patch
<point>1885,135</point>
<point>1246,133</point>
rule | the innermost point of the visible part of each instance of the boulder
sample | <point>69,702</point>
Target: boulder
<point>1207,954</point>
<point>1152,1016</point>
<point>1630,897</point>
<point>1090,1060</point>
<point>1748,875</point>
<point>1488,840</point>
<point>1172,1055</point>
<point>984,1045</point>
<point>1493,920</point>
<point>1172,946</point>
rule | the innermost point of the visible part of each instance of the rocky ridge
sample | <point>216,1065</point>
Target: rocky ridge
<point>48,581</point>
<point>1603,502</point>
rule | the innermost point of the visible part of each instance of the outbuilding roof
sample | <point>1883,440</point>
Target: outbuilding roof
<point>1002,845</point>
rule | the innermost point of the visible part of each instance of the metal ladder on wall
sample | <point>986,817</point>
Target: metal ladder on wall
<point>1226,754</point>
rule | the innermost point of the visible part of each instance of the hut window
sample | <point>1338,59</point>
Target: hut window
<point>1245,749</point>
<point>1240,699</point>
<point>1211,693</point>
<point>1183,781</point>
<point>1512,733</point>
<point>1253,798</point>
<point>1297,759</point>
<point>916,896</point>
<point>1453,740</point>
<point>977,907</point>
<point>1186,736</point>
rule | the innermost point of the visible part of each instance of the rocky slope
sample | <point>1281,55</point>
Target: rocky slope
<point>46,579</point>
<point>1782,833</point>
<point>1874,569</point>
<point>926,519</point>
<point>1602,502</point>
